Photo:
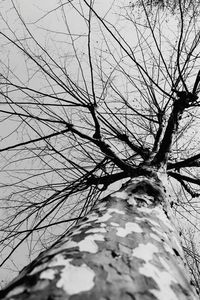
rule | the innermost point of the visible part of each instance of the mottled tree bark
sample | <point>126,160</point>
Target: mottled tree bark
<point>126,248</point>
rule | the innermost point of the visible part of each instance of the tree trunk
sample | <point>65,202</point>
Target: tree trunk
<point>125,248</point>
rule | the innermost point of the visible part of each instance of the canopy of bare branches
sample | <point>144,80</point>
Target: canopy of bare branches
<point>91,94</point>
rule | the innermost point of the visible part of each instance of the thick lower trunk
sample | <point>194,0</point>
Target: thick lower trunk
<point>126,248</point>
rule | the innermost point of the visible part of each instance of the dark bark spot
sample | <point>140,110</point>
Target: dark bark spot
<point>114,254</point>
<point>166,213</point>
<point>176,252</point>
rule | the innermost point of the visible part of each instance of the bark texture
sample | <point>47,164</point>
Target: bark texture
<point>126,248</point>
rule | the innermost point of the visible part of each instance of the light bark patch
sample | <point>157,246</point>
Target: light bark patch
<point>73,279</point>
<point>114,224</point>
<point>121,195</point>
<point>76,279</point>
<point>129,228</point>
<point>48,274</point>
<point>88,244</point>
<point>132,201</point>
<point>155,237</point>
<point>95,230</point>
<point>145,251</point>
<point>163,279</point>
<point>16,291</point>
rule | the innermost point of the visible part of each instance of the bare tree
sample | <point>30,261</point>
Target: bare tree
<point>109,95</point>
<point>169,5</point>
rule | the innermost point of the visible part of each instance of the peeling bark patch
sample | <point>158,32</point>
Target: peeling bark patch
<point>155,237</point>
<point>104,218</point>
<point>76,232</point>
<point>121,195</point>
<point>145,210</point>
<point>82,226</point>
<point>114,224</point>
<point>163,279</point>
<point>39,268</point>
<point>48,274</point>
<point>145,251</point>
<point>129,228</point>
<point>69,244</point>
<point>117,211</point>
<point>16,291</point>
<point>89,245</point>
<point>158,213</point>
<point>76,279</point>
<point>73,279</point>
<point>95,230</point>
<point>90,219</point>
<point>132,201</point>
